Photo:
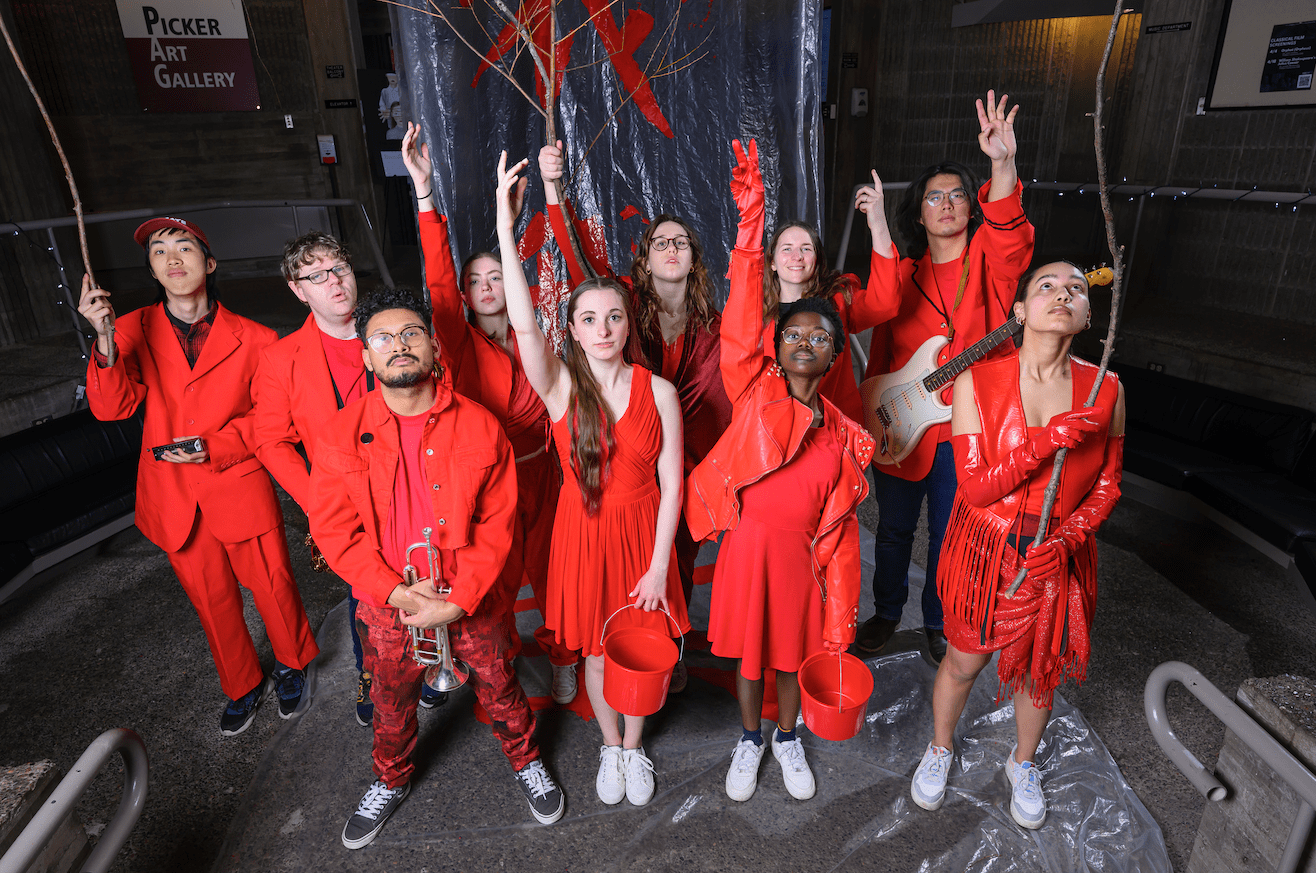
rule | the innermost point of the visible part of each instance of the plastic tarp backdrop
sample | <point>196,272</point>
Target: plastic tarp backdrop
<point>651,95</point>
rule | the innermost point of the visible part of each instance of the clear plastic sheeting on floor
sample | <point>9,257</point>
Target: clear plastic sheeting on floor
<point>466,811</point>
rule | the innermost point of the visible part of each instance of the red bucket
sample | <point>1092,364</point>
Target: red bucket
<point>834,694</point>
<point>637,667</point>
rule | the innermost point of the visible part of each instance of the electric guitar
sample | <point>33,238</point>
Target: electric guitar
<point>900,407</point>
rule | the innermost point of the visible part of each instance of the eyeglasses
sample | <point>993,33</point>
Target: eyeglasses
<point>319,277</point>
<point>958,196</point>
<point>818,339</point>
<point>383,341</point>
<point>660,243</point>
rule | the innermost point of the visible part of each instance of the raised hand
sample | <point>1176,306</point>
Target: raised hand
<point>747,190</point>
<point>417,159</point>
<point>997,137</point>
<point>511,190</point>
<point>871,202</point>
<point>94,305</point>
<point>551,163</point>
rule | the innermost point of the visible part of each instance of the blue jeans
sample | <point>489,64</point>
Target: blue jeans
<point>356,633</point>
<point>898,503</point>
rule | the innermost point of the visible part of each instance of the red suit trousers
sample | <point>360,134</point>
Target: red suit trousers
<point>210,572</point>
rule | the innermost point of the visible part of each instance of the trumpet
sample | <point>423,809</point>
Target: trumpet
<point>429,646</point>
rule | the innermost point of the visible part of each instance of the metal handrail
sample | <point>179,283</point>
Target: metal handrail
<point>32,841</point>
<point>1299,777</point>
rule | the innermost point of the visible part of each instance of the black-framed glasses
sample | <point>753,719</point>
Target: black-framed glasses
<point>660,243</point>
<point>384,341</point>
<point>958,196</point>
<point>819,339</point>
<point>319,277</point>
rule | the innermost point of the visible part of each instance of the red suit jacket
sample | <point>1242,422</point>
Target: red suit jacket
<point>766,431</point>
<point>294,398</point>
<point>212,399</point>
<point>469,463</point>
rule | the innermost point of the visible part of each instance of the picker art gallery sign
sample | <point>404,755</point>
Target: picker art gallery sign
<point>189,55</point>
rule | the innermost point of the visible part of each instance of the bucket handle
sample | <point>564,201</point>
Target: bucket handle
<point>680,651</point>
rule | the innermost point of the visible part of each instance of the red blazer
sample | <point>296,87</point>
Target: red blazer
<point>766,431</point>
<point>474,479</point>
<point>212,399</point>
<point>294,398</point>
<point>480,368</point>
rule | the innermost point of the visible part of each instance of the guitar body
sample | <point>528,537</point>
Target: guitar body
<point>899,409</point>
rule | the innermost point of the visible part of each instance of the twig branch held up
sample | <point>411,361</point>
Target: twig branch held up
<point>1116,288</point>
<point>68,171</point>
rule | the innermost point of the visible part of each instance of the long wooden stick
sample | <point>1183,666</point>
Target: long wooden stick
<point>1116,288</point>
<point>68,172</point>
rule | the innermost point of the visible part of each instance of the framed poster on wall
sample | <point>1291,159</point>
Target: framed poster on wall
<point>1266,55</point>
<point>189,55</point>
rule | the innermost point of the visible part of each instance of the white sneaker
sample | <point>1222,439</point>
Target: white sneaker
<point>928,787</point>
<point>743,777</point>
<point>1027,802</point>
<point>565,685</point>
<point>610,784</point>
<point>639,776</point>
<point>794,769</point>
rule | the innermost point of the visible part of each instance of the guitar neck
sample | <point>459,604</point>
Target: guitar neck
<point>942,376</point>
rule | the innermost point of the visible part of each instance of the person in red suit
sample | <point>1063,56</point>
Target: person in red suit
<point>305,378</point>
<point>783,485</point>
<point>1009,418</point>
<point>966,249</point>
<point>190,362</point>
<point>411,459</point>
<point>481,355</point>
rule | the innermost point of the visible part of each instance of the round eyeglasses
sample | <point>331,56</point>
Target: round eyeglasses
<point>660,243</point>
<point>958,196</point>
<point>818,339</point>
<point>384,341</point>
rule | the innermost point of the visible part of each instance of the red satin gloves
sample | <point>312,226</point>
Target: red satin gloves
<point>1051,556</point>
<point>983,485</point>
<point>747,189</point>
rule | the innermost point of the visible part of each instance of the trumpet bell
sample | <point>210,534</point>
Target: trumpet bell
<point>451,678</point>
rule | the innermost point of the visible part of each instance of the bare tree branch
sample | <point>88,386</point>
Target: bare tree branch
<point>1116,288</point>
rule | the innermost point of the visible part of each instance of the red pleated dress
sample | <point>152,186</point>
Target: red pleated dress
<point>596,561</point>
<point>767,607</point>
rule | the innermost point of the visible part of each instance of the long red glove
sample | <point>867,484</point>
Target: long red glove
<point>1051,556</point>
<point>747,189</point>
<point>983,485</point>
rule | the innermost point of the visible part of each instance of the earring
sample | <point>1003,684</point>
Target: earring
<point>1089,324</point>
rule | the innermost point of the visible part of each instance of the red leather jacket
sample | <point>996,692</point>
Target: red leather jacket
<point>767,429</point>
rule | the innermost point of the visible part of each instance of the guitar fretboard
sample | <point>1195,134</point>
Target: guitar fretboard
<point>942,376</point>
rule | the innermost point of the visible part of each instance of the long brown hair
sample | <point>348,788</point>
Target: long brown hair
<point>699,307</point>
<point>589,418</point>
<point>823,283</point>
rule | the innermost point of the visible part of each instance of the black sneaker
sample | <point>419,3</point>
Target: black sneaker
<point>372,812</point>
<point>546,800</point>
<point>365,710</point>
<point>289,683</point>
<point>238,715</point>
<point>429,698</point>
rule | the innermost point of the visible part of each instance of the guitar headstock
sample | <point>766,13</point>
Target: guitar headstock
<point>1100,276</point>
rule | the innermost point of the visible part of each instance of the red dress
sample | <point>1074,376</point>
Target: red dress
<point>596,561</point>
<point>766,606</point>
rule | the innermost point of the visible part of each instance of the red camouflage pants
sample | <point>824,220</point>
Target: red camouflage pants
<point>482,642</point>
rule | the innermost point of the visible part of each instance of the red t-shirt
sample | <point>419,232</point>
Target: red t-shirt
<point>346,367</point>
<point>411,509</point>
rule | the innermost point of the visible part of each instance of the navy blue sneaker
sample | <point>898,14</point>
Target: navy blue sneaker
<point>429,698</point>
<point>239,714</point>
<point>289,683</point>
<point>365,710</point>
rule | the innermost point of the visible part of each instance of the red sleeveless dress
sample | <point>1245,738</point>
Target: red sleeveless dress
<point>767,608</point>
<point>596,561</point>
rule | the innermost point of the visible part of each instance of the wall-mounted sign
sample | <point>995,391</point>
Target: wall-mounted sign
<point>335,71</point>
<point>341,103</point>
<point>189,55</point>
<point>1176,27</point>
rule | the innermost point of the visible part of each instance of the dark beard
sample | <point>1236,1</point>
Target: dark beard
<point>403,380</point>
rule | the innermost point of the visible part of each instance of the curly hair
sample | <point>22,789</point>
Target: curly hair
<point>910,210</point>
<point>385,297</point>
<point>823,283</point>
<point>302,252</point>
<point>699,307</point>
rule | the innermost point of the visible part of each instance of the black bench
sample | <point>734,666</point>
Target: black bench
<point>1245,463</point>
<point>68,484</point>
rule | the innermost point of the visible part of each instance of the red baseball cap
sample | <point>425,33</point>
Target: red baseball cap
<point>143,233</point>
